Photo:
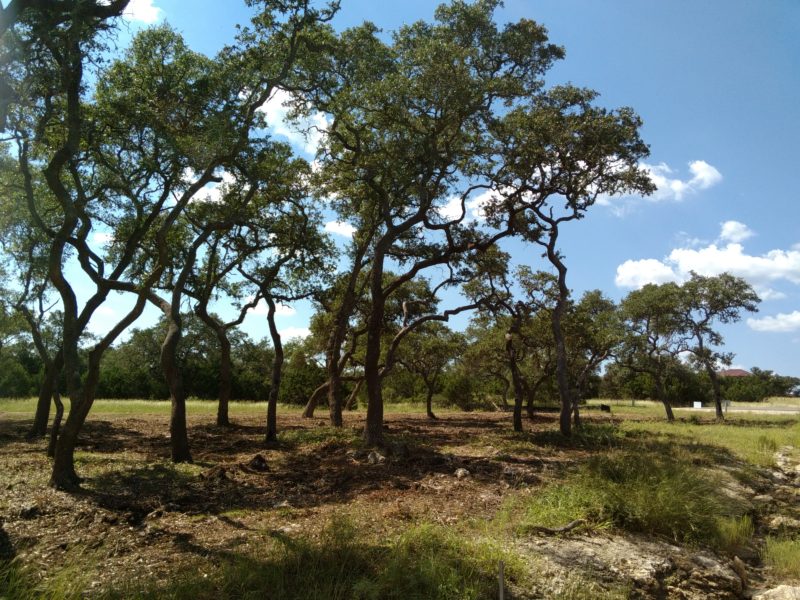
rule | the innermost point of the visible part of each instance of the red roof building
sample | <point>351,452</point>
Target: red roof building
<point>734,373</point>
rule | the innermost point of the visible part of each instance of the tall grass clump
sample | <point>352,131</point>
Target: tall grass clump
<point>782,555</point>
<point>640,491</point>
<point>734,533</point>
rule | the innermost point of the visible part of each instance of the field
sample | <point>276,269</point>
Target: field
<point>629,507</point>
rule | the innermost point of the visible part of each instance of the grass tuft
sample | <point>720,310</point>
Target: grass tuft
<point>783,556</point>
<point>734,534</point>
<point>665,495</point>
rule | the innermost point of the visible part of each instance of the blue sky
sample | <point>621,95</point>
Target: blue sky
<point>717,84</point>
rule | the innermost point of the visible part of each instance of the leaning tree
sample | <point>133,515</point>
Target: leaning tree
<point>559,154</point>
<point>704,303</point>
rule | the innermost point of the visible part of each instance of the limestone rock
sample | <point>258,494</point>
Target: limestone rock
<point>782,592</point>
<point>376,458</point>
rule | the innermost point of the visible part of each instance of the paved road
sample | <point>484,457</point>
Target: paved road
<point>773,410</point>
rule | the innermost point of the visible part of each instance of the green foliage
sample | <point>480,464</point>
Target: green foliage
<point>425,562</point>
<point>734,533</point>
<point>459,390</point>
<point>782,555</point>
<point>15,380</point>
<point>301,375</point>
<point>760,385</point>
<point>654,493</point>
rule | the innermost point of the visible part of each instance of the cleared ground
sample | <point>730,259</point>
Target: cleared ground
<point>317,515</point>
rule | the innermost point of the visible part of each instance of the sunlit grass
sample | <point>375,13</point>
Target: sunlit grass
<point>658,493</point>
<point>26,407</point>
<point>782,555</point>
<point>424,561</point>
<point>751,440</point>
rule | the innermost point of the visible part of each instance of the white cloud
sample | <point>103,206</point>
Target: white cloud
<point>142,11</point>
<point>669,186</point>
<point>638,273</point>
<point>289,333</point>
<point>102,237</point>
<point>734,231</point>
<point>213,191</point>
<point>475,207</point>
<point>782,322</point>
<point>759,271</point>
<point>767,293</point>
<point>340,228</point>
<point>684,240</point>
<point>451,210</point>
<point>105,310</point>
<point>306,134</point>
<point>281,310</point>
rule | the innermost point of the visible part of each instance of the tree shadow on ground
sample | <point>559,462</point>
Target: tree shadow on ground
<point>309,466</point>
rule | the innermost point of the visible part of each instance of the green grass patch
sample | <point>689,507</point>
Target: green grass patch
<point>750,439</point>
<point>424,562</point>
<point>734,534</point>
<point>320,435</point>
<point>664,494</point>
<point>782,555</point>
<point>20,582</point>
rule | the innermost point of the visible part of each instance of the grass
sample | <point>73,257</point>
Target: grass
<point>18,582</point>
<point>734,534</point>
<point>782,555</point>
<point>645,476</point>
<point>425,562</point>
<point>26,407</point>
<point>752,440</point>
<point>662,493</point>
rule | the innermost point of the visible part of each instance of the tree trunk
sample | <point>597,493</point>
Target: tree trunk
<point>576,413</point>
<point>530,392</point>
<point>46,392</point>
<point>712,375</point>
<point>429,402</point>
<point>81,391</point>
<point>351,400</point>
<point>179,439</point>
<point>225,378</point>
<point>519,391</point>
<point>663,397</point>
<point>277,366</point>
<point>335,395</point>
<point>64,476</point>
<point>373,429</point>
<point>311,405</point>
<point>51,447</point>
<point>562,368</point>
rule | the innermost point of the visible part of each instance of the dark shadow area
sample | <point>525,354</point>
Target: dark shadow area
<point>309,466</point>
<point>6,548</point>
